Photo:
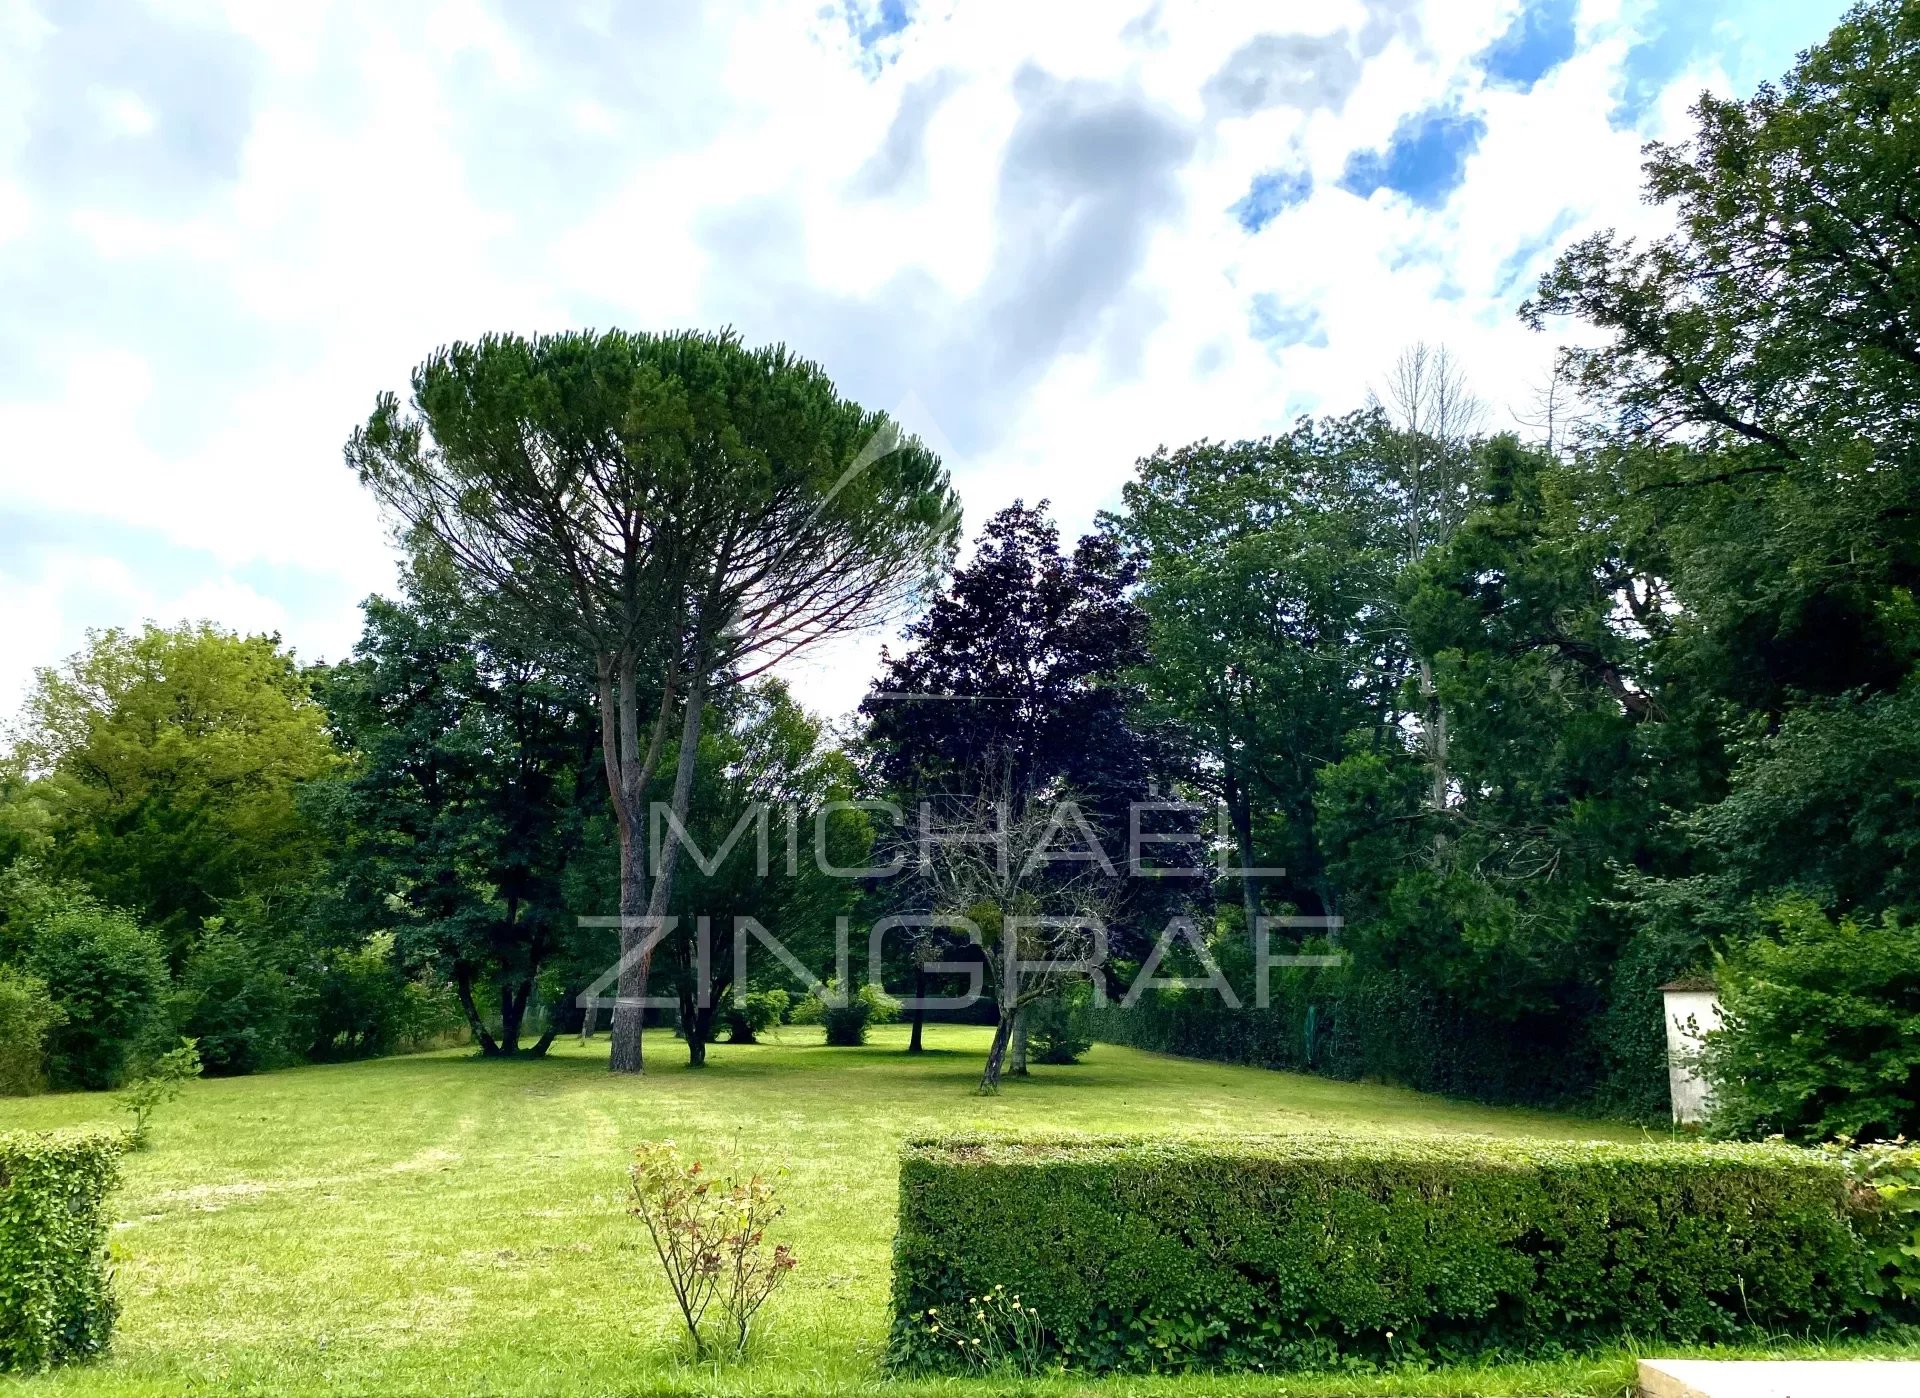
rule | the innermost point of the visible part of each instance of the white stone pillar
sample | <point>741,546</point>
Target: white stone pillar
<point>1692,1012</point>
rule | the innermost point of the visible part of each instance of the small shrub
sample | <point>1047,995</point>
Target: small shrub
<point>27,1013</point>
<point>1821,1031</point>
<point>710,1237</point>
<point>108,975</point>
<point>847,1024</point>
<point>749,1273</point>
<point>158,1083</point>
<point>1310,1252</point>
<point>753,1014</point>
<point>55,1301</point>
<point>1058,1028</point>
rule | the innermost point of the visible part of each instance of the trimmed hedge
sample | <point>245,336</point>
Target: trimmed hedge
<point>55,1302</point>
<point>1296,1252</point>
<point>1352,1024</point>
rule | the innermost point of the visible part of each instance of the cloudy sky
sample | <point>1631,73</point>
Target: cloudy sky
<point>1048,236</point>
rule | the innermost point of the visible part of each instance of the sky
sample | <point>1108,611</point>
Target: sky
<point>1048,237</point>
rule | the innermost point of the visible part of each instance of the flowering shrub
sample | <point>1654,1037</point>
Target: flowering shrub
<point>710,1236</point>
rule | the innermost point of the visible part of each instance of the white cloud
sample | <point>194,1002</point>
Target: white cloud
<point>1011,217</point>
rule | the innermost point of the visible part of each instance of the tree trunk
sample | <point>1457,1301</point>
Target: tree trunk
<point>1240,812</point>
<point>697,1019</point>
<point>513,1007</point>
<point>1434,738</point>
<point>699,1035</point>
<point>914,1044</point>
<point>1017,1049</point>
<point>627,777</point>
<point>463,988</point>
<point>656,909</point>
<point>997,1055</point>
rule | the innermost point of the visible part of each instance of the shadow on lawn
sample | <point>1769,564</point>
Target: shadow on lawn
<point>668,1057</point>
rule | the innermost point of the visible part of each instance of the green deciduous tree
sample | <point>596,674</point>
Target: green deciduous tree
<point>1266,574</point>
<point>464,808</point>
<point>169,762</point>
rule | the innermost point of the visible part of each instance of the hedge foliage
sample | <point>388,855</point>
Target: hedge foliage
<point>55,1302</point>
<point>1354,1025</point>
<point>1295,1252</point>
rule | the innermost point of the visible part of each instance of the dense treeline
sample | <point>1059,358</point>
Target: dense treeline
<point>288,865</point>
<point>1520,725</point>
<point>1542,724</point>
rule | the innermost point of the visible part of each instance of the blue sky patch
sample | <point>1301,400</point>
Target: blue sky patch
<point>1280,325</point>
<point>1425,160</point>
<point>1517,271</point>
<point>1751,43</point>
<point>1270,195</point>
<point>1539,40</point>
<point>883,21</point>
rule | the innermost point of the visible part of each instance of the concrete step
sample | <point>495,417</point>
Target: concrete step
<point>1779,1378</point>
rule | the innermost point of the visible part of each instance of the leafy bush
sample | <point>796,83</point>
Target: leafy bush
<point>55,1302</point>
<point>108,975</point>
<point>357,1003</point>
<point>1885,1176</point>
<point>1821,1029</point>
<point>155,1085</point>
<point>1058,1028</point>
<point>1296,1252</point>
<point>753,1014</point>
<point>710,1236</point>
<point>847,1024</point>
<point>233,1004</point>
<point>27,1012</point>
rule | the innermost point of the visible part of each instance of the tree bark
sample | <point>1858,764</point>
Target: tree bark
<point>1003,1032</point>
<point>513,1005</point>
<point>1017,1048</point>
<point>463,988</point>
<point>997,1054</point>
<point>1435,737</point>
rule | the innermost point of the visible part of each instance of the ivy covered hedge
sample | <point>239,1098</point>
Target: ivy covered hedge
<point>55,1303</point>
<point>1291,1252</point>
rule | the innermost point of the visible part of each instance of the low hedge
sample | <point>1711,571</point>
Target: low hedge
<point>55,1302</point>
<point>1295,1252</point>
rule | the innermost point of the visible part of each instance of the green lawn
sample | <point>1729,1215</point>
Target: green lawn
<point>442,1224</point>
